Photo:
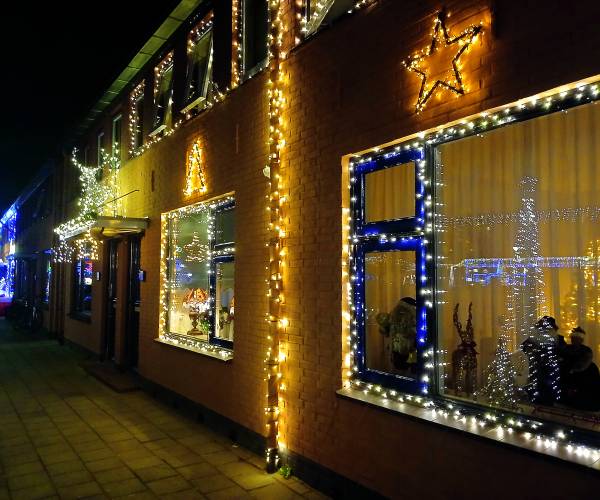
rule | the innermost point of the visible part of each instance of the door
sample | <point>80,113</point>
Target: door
<point>108,352</point>
<point>133,303</point>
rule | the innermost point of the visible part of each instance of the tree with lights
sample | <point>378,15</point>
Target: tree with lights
<point>500,387</point>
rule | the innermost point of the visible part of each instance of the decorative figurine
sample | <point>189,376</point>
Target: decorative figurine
<point>464,357</point>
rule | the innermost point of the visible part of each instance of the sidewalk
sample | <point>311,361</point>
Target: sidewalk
<point>65,435</point>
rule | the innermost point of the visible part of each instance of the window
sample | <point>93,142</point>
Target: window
<point>324,12</point>
<point>521,248</point>
<point>116,137</point>
<point>199,274</point>
<point>82,287</point>
<point>199,64</point>
<point>163,95</point>
<point>388,283</point>
<point>475,259</point>
<point>136,118</point>
<point>46,276</point>
<point>99,148</point>
<point>255,31</point>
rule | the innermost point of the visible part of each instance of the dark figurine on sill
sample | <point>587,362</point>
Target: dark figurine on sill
<point>400,326</point>
<point>580,375</point>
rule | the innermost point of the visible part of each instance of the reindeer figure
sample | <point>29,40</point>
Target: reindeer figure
<point>464,357</point>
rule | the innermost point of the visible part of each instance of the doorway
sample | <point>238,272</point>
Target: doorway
<point>133,303</point>
<point>108,351</point>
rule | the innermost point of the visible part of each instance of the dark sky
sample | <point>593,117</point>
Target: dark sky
<point>57,60</point>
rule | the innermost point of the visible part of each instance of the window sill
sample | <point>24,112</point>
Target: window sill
<point>196,346</point>
<point>536,444</point>
<point>84,318</point>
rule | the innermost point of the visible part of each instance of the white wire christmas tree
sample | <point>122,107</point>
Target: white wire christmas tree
<point>500,387</point>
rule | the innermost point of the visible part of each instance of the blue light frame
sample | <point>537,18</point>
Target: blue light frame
<point>405,234</point>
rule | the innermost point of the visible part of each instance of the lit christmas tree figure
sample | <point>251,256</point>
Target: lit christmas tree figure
<point>500,387</point>
<point>527,300</point>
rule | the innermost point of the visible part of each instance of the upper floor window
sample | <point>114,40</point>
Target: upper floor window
<point>199,284</point>
<point>323,12</point>
<point>99,148</point>
<point>255,32</point>
<point>199,64</point>
<point>136,117</point>
<point>116,136</point>
<point>163,95</point>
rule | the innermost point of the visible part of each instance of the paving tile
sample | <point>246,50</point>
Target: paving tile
<point>169,485</point>
<point>104,464</point>
<point>71,478</point>
<point>253,480</point>
<point>65,456</point>
<point>125,487</point>
<point>220,457</point>
<point>275,491</point>
<point>155,472</point>
<point>233,493</point>
<point>83,490</point>
<point>143,462</point>
<point>28,480</point>
<point>112,475</point>
<point>209,484</point>
<point>92,455</point>
<point>26,468</point>
<point>65,467</point>
<point>197,471</point>
<point>35,492</point>
<point>237,469</point>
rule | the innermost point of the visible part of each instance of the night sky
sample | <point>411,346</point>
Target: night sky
<point>58,58</point>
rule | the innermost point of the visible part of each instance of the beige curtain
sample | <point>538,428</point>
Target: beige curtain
<point>483,215</point>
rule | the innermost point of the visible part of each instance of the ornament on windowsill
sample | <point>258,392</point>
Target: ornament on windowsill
<point>420,63</point>
<point>197,301</point>
<point>400,327</point>
<point>464,357</point>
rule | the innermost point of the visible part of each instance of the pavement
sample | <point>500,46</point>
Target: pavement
<point>63,434</point>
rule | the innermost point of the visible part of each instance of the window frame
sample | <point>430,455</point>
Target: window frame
<point>585,92</point>
<point>77,285</point>
<point>402,234</point>
<point>249,72</point>
<point>165,66</point>
<point>219,253</point>
<point>99,147</point>
<point>116,141</point>
<point>206,29</point>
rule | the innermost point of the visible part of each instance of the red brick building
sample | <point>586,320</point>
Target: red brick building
<point>310,219</point>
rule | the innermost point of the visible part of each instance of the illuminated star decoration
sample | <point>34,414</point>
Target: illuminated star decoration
<point>452,79</point>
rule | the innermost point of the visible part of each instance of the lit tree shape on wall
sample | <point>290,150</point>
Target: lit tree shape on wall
<point>500,386</point>
<point>97,197</point>
<point>195,179</point>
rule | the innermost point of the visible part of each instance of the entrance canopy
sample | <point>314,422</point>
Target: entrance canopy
<point>109,227</point>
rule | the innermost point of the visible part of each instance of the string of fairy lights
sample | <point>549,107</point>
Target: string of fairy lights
<point>546,437</point>
<point>97,196</point>
<point>195,178</point>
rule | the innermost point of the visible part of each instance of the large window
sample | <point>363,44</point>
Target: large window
<point>476,263</point>
<point>387,279</point>
<point>520,241</point>
<point>199,65</point>
<point>199,282</point>
<point>163,95</point>
<point>82,287</point>
<point>255,31</point>
<point>136,117</point>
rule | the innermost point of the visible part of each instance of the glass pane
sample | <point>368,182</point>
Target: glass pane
<point>198,67</point>
<point>225,227</point>
<point>188,266</point>
<point>84,275</point>
<point>520,240</point>
<point>224,300</point>
<point>391,312</point>
<point>390,193</point>
<point>256,28</point>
